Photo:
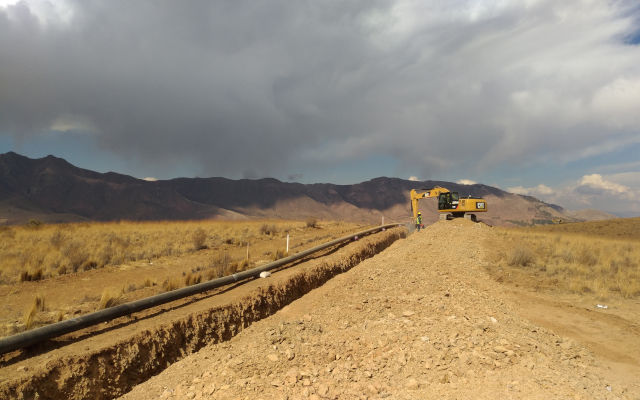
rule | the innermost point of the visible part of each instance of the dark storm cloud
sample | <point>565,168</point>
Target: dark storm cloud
<point>248,88</point>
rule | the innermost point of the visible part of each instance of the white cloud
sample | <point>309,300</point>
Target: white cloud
<point>617,193</point>
<point>541,189</point>
<point>414,178</point>
<point>518,190</point>
<point>150,179</point>
<point>48,12</point>
<point>466,182</point>
<point>72,123</point>
<point>596,181</point>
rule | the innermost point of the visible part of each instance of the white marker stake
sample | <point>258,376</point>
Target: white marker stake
<point>287,243</point>
<point>382,220</point>
<point>247,251</point>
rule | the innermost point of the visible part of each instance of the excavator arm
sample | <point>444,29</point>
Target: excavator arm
<point>415,196</point>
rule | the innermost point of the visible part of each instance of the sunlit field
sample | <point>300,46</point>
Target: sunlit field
<point>52,272</point>
<point>599,258</point>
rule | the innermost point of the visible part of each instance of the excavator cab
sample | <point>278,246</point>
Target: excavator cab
<point>448,201</point>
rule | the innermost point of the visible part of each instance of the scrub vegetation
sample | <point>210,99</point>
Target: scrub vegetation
<point>29,253</point>
<point>600,258</point>
<point>83,267</point>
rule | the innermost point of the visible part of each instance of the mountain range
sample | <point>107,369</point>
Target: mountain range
<point>50,189</point>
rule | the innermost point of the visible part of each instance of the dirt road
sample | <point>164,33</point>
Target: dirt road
<point>422,320</point>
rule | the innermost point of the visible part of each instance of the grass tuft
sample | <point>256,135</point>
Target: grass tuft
<point>520,257</point>
<point>171,284</point>
<point>192,279</point>
<point>37,305</point>
<point>280,253</point>
<point>109,298</point>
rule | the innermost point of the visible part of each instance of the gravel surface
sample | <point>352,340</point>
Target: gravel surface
<point>421,320</point>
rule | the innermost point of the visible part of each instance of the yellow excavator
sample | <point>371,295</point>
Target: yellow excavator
<point>450,204</point>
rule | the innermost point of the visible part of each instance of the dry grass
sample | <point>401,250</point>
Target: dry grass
<point>30,254</point>
<point>280,253</point>
<point>143,259</point>
<point>586,261</point>
<point>268,229</point>
<point>622,228</point>
<point>110,297</point>
<point>30,314</point>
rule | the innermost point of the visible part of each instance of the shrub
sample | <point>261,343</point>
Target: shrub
<point>34,223</point>
<point>32,275</point>
<point>587,257</point>
<point>90,264</point>
<point>266,229</point>
<point>76,255</point>
<point>312,223</point>
<point>199,238</point>
<point>520,256</point>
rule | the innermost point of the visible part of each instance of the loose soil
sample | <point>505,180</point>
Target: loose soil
<point>422,320</point>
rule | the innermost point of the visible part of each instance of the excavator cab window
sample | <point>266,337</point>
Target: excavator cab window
<point>446,201</point>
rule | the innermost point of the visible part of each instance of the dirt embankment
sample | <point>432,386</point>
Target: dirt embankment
<point>126,353</point>
<point>422,320</point>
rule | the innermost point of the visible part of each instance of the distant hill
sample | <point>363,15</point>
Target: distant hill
<point>591,215</point>
<point>52,190</point>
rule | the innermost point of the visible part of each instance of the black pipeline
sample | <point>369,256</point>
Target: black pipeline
<point>39,335</point>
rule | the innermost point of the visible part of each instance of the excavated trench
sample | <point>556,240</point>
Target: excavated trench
<point>108,372</point>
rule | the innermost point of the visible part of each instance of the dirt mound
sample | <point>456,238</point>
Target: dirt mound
<point>420,320</point>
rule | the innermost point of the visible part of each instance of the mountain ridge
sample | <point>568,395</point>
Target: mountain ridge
<point>54,190</point>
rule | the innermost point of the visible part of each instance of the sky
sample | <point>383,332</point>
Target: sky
<point>538,97</point>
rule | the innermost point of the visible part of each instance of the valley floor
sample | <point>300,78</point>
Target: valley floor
<point>421,320</point>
